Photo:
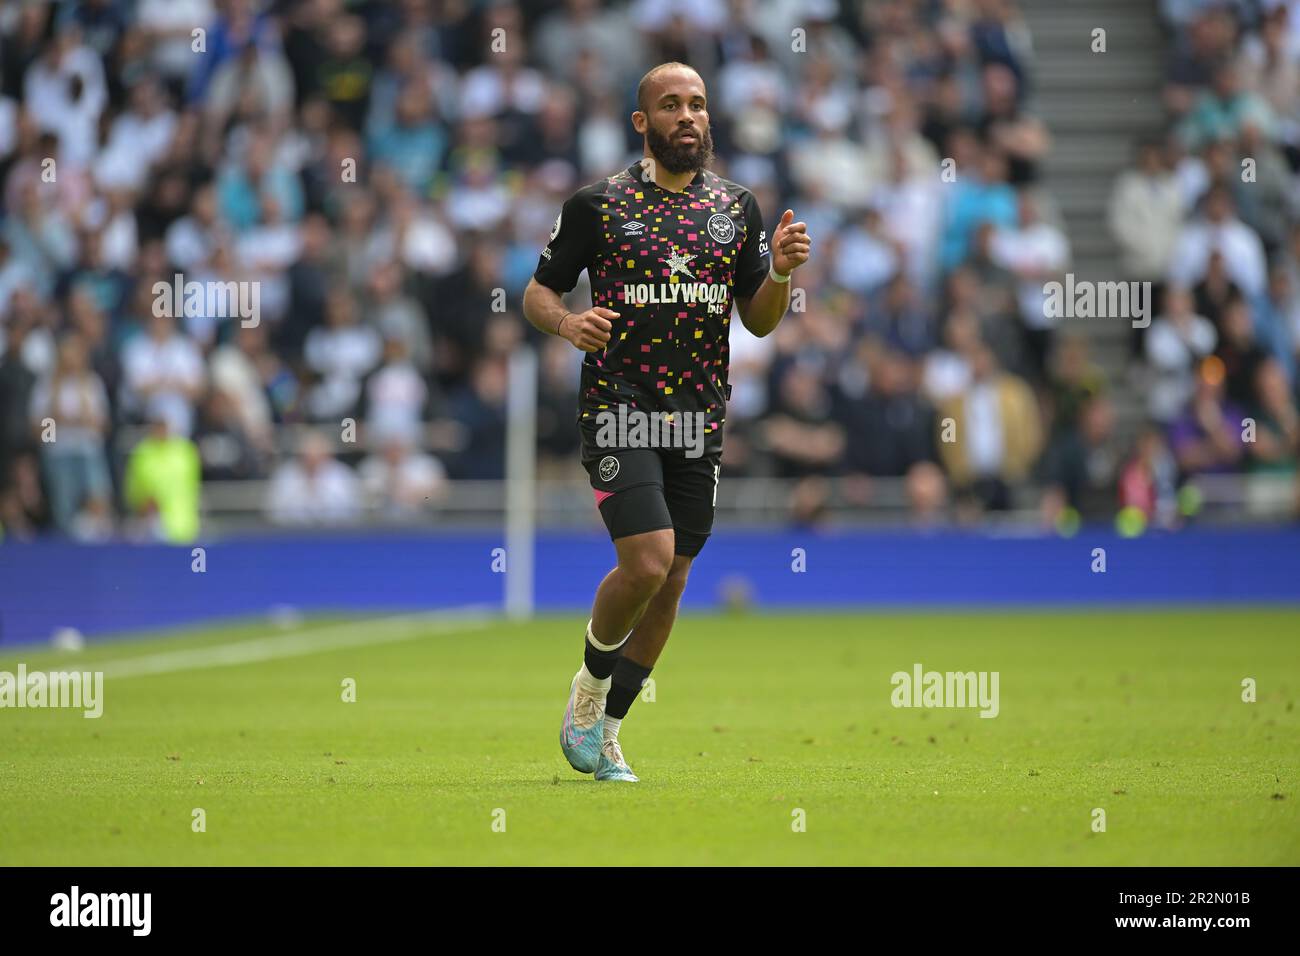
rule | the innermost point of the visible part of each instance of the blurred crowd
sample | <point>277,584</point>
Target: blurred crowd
<point>385,174</point>
<point>1209,214</point>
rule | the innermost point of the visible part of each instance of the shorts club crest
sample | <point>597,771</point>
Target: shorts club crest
<point>608,468</point>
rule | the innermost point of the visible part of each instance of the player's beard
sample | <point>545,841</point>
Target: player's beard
<point>677,158</point>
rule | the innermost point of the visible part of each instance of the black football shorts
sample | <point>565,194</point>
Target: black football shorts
<point>649,489</point>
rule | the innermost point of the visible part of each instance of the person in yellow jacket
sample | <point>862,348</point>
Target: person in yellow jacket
<point>162,483</point>
<point>990,434</point>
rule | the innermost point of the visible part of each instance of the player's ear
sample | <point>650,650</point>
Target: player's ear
<point>639,121</point>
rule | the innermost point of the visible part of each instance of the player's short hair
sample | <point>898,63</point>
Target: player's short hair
<point>642,88</point>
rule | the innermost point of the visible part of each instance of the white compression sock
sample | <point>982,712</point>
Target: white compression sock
<point>597,686</point>
<point>611,727</point>
<point>593,686</point>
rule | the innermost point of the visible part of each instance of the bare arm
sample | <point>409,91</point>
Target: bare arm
<point>763,311</point>
<point>588,331</point>
<point>543,307</point>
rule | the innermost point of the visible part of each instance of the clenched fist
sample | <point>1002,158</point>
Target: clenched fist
<point>588,330</point>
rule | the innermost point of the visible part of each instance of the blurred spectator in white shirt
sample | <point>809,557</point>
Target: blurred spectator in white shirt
<point>1175,345</point>
<point>1267,67</point>
<point>266,251</point>
<point>314,488</point>
<point>41,235</point>
<point>341,352</point>
<point>65,189</point>
<point>163,374</point>
<point>191,239</point>
<point>1146,214</point>
<point>824,39</point>
<point>582,25</point>
<point>138,139</point>
<point>833,160</point>
<point>169,24</point>
<point>236,371</point>
<point>69,408</point>
<point>698,16</point>
<point>865,258</point>
<point>259,79</point>
<point>947,370</point>
<point>401,481</point>
<point>272,245</point>
<point>1219,230</point>
<point>911,209</point>
<point>602,142</point>
<point>395,395</point>
<point>753,79</point>
<point>64,92</point>
<point>503,83</point>
<point>1035,252</point>
<point>414,236</point>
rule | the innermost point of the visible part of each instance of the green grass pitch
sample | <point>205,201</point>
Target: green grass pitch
<point>755,715</point>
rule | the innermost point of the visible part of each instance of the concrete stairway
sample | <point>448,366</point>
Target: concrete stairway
<point>1096,105</point>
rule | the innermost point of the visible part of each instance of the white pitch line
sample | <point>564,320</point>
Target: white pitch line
<point>383,630</point>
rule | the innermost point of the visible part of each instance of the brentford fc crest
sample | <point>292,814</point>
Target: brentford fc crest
<point>722,228</point>
<point>608,468</point>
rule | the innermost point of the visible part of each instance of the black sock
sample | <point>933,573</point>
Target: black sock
<point>628,678</point>
<point>600,664</point>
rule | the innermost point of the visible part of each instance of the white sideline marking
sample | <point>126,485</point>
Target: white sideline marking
<point>381,630</point>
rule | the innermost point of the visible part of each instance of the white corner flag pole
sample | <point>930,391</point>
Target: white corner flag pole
<point>521,481</point>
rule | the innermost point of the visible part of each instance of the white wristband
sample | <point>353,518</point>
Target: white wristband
<point>776,277</point>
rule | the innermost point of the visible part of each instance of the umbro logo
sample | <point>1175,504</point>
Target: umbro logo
<point>634,228</point>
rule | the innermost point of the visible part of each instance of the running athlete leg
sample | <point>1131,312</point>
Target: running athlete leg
<point>629,489</point>
<point>651,632</point>
<point>643,647</point>
<point>644,562</point>
<point>644,565</point>
<point>690,492</point>
<point>628,485</point>
<point>631,671</point>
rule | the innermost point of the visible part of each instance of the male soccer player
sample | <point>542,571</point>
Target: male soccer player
<point>668,247</point>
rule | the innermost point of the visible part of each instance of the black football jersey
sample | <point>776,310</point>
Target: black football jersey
<point>670,264</point>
